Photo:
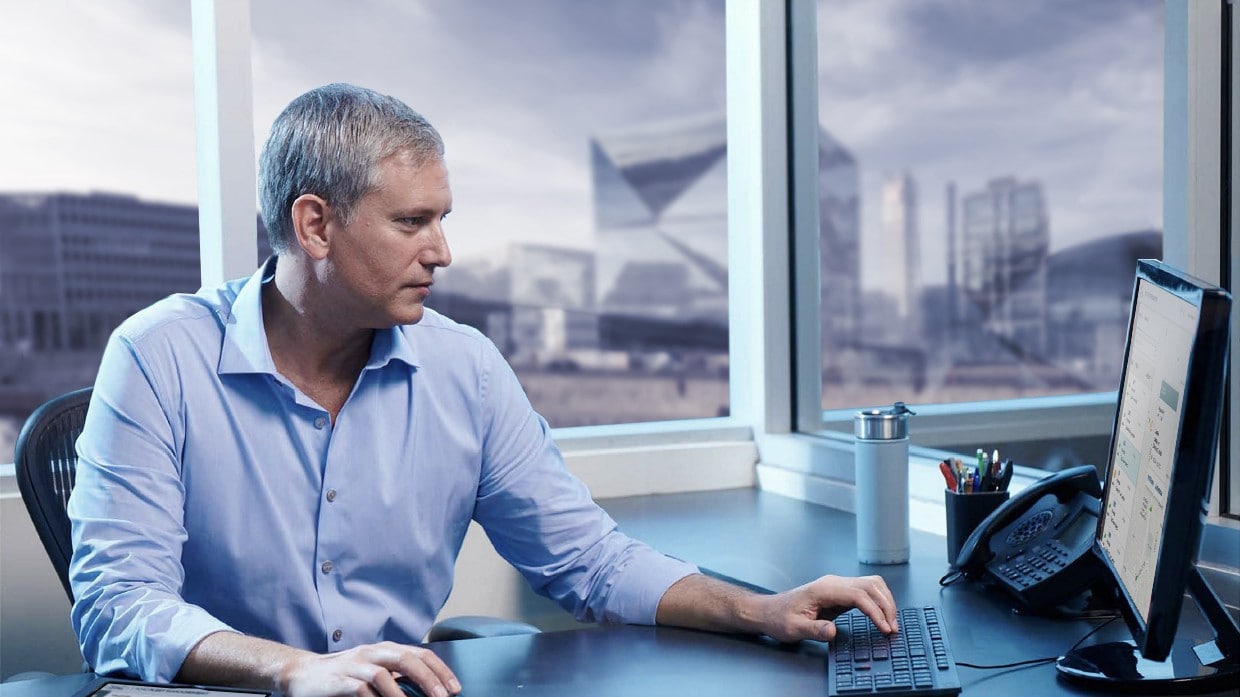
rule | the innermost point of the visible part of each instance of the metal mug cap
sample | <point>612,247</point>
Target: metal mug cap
<point>890,423</point>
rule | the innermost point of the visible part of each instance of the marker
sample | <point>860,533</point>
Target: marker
<point>947,475</point>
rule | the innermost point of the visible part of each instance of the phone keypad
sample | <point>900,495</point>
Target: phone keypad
<point>1037,564</point>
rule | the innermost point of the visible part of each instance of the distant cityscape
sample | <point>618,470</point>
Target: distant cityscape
<point>637,328</point>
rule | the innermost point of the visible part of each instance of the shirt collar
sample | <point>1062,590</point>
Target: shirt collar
<point>245,347</point>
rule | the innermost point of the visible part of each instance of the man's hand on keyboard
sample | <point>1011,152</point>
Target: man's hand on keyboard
<point>806,612</point>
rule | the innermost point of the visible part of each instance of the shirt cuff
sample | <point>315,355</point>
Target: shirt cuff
<point>642,584</point>
<point>169,645</point>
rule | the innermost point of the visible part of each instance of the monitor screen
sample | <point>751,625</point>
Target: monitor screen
<point>1147,428</point>
<point>1163,447</point>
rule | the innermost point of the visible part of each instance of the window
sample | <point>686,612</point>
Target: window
<point>988,175</point>
<point>98,142</point>
<point>587,147</point>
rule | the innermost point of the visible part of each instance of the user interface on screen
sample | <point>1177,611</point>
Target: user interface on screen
<point>1147,430</point>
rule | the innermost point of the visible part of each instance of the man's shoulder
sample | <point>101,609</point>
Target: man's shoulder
<point>201,314</point>
<point>446,329</point>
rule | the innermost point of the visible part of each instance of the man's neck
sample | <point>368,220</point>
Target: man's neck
<point>316,352</point>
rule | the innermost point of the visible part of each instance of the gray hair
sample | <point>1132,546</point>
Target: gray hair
<point>328,142</point>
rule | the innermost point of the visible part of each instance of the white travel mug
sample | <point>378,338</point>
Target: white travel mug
<point>882,484</point>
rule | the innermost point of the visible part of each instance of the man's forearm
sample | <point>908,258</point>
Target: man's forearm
<point>227,658</point>
<point>701,602</point>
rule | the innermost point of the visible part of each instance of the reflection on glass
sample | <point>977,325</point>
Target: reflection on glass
<point>998,173</point>
<point>587,146</point>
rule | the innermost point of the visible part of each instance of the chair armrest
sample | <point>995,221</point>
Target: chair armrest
<point>476,627</point>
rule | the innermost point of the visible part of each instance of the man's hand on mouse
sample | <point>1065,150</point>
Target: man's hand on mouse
<point>372,669</point>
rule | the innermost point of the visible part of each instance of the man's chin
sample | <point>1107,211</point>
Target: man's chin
<point>411,315</point>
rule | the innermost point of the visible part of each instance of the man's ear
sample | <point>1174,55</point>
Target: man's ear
<point>311,215</point>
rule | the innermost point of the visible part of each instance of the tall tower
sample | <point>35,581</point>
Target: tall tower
<point>1005,236</point>
<point>953,315</point>
<point>901,249</point>
<point>839,245</point>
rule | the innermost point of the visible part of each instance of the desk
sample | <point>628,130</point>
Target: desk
<point>772,541</point>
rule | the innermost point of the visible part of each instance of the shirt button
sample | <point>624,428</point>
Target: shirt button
<point>331,495</point>
<point>336,635</point>
<point>320,422</point>
<point>327,567</point>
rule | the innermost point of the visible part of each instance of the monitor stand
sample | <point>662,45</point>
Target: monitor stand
<point>1213,666</point>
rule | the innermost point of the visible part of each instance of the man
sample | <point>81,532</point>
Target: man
<point>276,475</point>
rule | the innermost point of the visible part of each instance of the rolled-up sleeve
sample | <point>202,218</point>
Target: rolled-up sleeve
<point>543,521</point>
<point>127,515</point>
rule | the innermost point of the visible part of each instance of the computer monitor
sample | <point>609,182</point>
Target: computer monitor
<point>1157,489</point>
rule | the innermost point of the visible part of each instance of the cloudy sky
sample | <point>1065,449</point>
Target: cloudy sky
<point>99,96</point>
<point>1063,92</point>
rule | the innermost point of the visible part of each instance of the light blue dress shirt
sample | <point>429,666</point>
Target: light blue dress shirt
<point>213,495</point>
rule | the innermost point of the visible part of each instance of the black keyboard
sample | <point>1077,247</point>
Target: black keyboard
<point>915,661</point>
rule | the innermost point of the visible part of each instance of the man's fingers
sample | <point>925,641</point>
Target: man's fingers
<point>383,684</point>
<point>823,630</point>
<point>417,668</point>
<point>871,595</point>
<point>441,671</point>
<point>893,611</point>
<point>868,594</point>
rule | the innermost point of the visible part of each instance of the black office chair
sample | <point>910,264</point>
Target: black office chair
<point>46,470</point>
<point>46,457</point>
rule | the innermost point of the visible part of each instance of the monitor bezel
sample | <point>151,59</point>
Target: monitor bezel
<point>1196,449</point>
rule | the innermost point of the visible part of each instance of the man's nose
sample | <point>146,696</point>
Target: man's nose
<point>438,253</point>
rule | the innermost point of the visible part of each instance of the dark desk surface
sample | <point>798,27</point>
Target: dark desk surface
<point>768,540</point>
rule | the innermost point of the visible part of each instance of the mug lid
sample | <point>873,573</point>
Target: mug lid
<point>890,423</point>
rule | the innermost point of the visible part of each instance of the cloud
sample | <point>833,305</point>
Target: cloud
<point>1065,93</point>
<point>97,97</point>
<point>516,89</point>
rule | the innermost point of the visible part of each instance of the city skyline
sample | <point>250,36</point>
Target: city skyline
<point>1038,90</point>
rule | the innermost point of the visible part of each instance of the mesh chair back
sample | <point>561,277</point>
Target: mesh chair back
<point>46,470</point>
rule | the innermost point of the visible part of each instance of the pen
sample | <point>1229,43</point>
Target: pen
<point>947,475</point>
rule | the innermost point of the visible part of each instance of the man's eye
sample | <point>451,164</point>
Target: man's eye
<point>414,222</point>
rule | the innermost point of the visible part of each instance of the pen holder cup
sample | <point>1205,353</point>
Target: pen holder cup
<point>964,513</point>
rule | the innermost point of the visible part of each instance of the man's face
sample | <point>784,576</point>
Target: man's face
<point>382,262</point>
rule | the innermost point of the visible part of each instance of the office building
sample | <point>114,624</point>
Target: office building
<point>1088,291</point>
<point>552,296</point>
<point>901,249</point>
<point>660,200</point>
<point>660,206</point>
<point>1004,238</point>
<point>67,274</point>
<point>839,246</point>
<point>68,278</point>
